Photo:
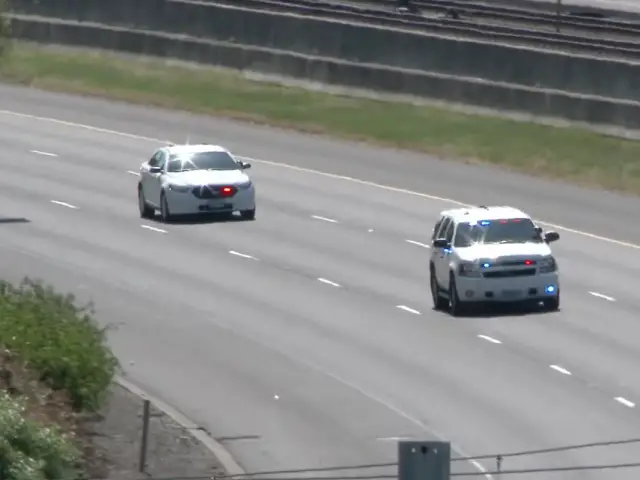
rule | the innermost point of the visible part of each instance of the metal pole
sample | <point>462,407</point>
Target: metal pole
<point>145,435</point>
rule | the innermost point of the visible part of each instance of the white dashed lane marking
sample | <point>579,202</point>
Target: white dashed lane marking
<point>131,172</point>
<point>243,255</point>
<point>489,339</point>
<point>328,282</point>
<point>603,296</point>
<point>153,229</point>
<point>46,154</point>
<point>408,309</point>
<point>64,204</point>
<point>560,369</point>
<point>324,219</point>
<point>625,402</point>
<point>420,244</point>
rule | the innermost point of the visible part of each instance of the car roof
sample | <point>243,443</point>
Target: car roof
<point>474,214</point>
<point>194,148</point>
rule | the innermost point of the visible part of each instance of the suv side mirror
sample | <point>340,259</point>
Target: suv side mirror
<point>244,165</point>
<point>155,169</point>
<point>441,243</point>
<point>551,237</point>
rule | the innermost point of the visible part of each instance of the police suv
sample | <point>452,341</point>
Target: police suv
<point>491,254</point>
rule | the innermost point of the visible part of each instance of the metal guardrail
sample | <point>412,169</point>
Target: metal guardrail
<point>479,21</point>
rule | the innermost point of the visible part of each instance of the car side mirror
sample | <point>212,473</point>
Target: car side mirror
<point>155,169</point>
<point>551,237</point>
<point>245,165</point>
<point>441,243</point>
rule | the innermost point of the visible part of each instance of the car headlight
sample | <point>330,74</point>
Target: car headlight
<point>468,269</point>
<point>179,188</point>
<point>547,265</point>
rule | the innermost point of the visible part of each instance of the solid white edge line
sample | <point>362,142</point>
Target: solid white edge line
<point>46,154</point>
<point>489,339</point>
<point>560,369</point>
<point>64,204</point>
<point>420,244</point>
<point>153,229</point>
<point>229,464</point>
<point>324,219</point>
<point>243,255</point>
<point>602,295</point>
<point>328,282</point>
<point>408,309</point>
<point>317,172</point>
<point>625,402</point>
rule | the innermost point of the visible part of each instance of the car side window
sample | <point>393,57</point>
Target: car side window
<point>162,159</point>
<point>153,162</point>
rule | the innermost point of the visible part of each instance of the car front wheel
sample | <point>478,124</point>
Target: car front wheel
<point>145,210</point>
<point>164,208</point>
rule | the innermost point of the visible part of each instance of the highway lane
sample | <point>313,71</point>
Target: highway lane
<point>353,331</point>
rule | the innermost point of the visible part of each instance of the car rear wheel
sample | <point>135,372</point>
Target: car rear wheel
<point>248,214</point>
<point>145,210</point>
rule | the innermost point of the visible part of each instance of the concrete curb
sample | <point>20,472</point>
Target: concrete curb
<point>220,452</point>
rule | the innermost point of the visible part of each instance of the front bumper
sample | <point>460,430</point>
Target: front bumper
<point>511,289</point>
<point>185,203</point>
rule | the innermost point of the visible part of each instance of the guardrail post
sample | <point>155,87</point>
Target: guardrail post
<point>145,435</point>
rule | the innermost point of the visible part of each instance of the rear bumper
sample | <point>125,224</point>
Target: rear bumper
<point>515,289</point>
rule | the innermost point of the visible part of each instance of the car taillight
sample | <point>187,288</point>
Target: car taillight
<point>228,191</point>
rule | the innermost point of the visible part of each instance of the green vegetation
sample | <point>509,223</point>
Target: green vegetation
<point>5,28</point>
<point>31,451</point>
<point>54,366</point>
<point>573,154</point>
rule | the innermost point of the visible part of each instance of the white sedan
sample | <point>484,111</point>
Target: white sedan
<point>195,179</point>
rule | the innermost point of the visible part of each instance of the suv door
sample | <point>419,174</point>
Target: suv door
<point>437,254</point>
<point>444,258</point>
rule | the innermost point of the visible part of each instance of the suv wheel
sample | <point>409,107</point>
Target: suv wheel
<point>439,302</point>
<point>552,304</point>
<point>457,308</point>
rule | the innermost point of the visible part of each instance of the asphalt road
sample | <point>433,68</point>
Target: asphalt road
<point>284,336</point>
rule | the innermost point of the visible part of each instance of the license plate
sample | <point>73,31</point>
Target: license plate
<point>511,293</point>
<point>215,206</point>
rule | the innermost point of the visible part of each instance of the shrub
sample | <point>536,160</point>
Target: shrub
<point>60,341</point>
<point>29,451</point>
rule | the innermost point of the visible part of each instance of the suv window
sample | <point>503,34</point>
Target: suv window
<point>434,234</point>
<point>513,230</point>
<point>448,233</point>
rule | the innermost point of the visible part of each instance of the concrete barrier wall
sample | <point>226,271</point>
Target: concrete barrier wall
<point>356,43</point>
<point>330,71</point>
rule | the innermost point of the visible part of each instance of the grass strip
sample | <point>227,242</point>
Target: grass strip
<point>571,154</point>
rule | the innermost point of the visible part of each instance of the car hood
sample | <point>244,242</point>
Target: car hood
<point>208,177</point>
<point>506,250</point>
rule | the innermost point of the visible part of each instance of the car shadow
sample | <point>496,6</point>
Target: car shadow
<point>201,219</point>
<point>14,220</point>
<point>505,310</point>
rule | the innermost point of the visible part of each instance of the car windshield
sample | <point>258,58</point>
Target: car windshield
<point>201,161</point>
<point>514,230</point>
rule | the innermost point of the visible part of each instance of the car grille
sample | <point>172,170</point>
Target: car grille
<point>207,191</point>
<point>525,272</point>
